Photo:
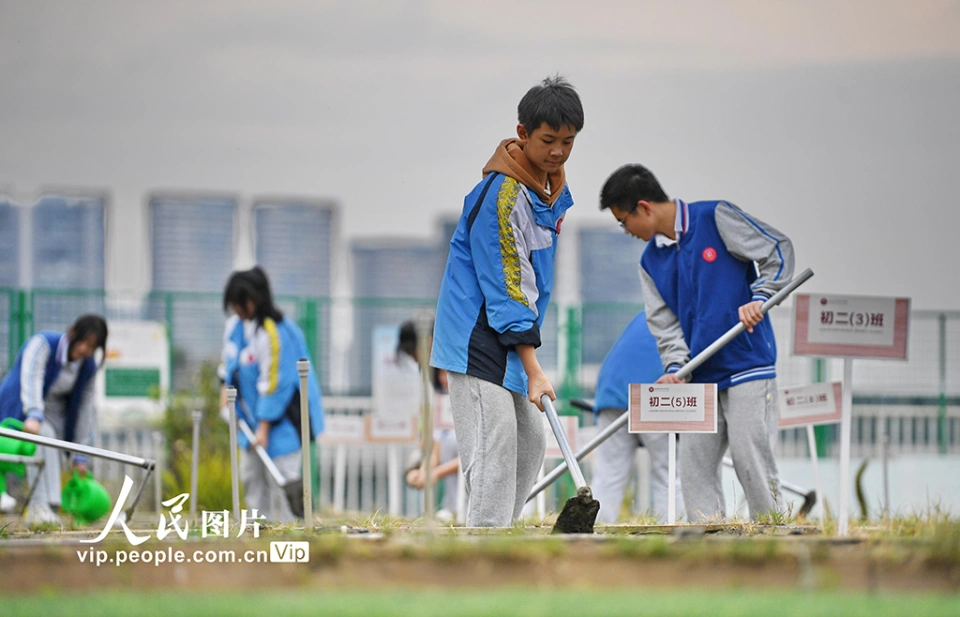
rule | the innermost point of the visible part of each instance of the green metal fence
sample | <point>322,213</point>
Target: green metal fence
<point>575,340</point>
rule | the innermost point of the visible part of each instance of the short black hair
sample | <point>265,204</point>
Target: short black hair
<point>628,185</point>
<point>553,101</point>
<point>87,325</point>
<point>254,285</point>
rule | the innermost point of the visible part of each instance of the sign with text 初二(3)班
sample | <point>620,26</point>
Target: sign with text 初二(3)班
<point>818,403</point>
<point>673,408</point>
<point>850,326</point>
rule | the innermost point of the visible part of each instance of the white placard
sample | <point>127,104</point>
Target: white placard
<point>852,320</point>
<point>391,430</point>
<point>569,424</point>
<point>673,408</point>
<point>339,428</point>
<point>850,326</point>
<point>134,348</point>
<point>817,403</point>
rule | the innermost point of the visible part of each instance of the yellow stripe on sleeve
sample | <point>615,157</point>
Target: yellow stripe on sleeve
<point>270,327</point>
<point>506,200</point>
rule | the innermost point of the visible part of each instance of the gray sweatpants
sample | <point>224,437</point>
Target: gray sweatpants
<point>261,492</point>
<point>747,422</point>
<point>614,461</point>
<point>501,442</point>
<point>49,485</point>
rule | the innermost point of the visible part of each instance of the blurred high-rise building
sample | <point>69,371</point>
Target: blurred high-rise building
<point>296,242</point>
<point>392,280</point>
<point>192,254</point>
<point>609,287</point>
<point>67,252</point>
<point>9,243</point>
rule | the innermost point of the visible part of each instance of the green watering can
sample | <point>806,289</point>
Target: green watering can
<point>84,498</point>
<point>13,447</point>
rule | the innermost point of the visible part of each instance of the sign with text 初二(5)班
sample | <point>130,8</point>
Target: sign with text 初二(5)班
<point>673,408</point>
<point>818,403</point>
<point>850,326</point>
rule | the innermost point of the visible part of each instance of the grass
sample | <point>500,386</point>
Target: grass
<point>470,602</point>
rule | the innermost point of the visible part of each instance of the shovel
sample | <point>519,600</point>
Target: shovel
<point>809,496</point>
<point>292,489</point>
<point>580,512</point>
<point>688,368</point>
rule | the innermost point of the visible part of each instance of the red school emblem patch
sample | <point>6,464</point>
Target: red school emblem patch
<point>709,254</point>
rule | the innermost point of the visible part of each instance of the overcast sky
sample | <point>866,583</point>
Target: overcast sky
<point>835,121</point>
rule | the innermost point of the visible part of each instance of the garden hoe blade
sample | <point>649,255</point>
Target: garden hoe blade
<point>294,492</point>
<point>580,512</point>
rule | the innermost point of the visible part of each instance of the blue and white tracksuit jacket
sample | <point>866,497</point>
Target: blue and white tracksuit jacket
<point>497,282</point>
<point>692,288</point>
<point>27,384</point>
<point>633,358</point>
<point>261,363</point>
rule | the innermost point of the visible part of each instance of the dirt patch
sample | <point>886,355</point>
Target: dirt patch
<point>417,560</point>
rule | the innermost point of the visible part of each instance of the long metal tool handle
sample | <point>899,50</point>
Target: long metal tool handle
<point>78,448</point>
<point>568,456</point>
<point>306,438</point>
<point>684,372</point>
<point>267,461</point>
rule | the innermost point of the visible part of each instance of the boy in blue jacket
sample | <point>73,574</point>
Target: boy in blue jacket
<point>494,293</point>
<point>706,266</point>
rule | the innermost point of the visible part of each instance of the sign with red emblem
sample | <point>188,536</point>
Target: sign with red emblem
<point>673,408</point>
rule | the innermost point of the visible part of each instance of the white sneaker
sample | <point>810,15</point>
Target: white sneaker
<point>41,513</point>
<point>7,503</point>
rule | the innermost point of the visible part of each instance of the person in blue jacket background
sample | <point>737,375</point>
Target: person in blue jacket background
<point>50,388</point>
<point>260,354</point>
<point>633,358</point>
<point>493,296</point>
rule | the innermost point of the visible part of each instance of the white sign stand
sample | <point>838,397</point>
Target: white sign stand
<point>340,431</point>
<point>849,327</point>
<point>812,443</point>
<point>845,425</point>
<point>672,475</point>
<point>818,403</point>
<point>672,408</point>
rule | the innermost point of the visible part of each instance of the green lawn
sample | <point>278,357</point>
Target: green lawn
<point>470,602</point>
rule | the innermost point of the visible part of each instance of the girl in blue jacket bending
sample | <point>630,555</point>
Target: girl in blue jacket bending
<point>260,354</point>
<point>50,388</point>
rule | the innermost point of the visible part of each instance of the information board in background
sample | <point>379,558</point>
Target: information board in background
<point>131,388</point>
<point>397,385</point>
<point>673,408</point>
<point>341,428</point>
<point>381,429</point>
<point>818,403</point>
<point>442,415</point>
<point>850,326</point>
